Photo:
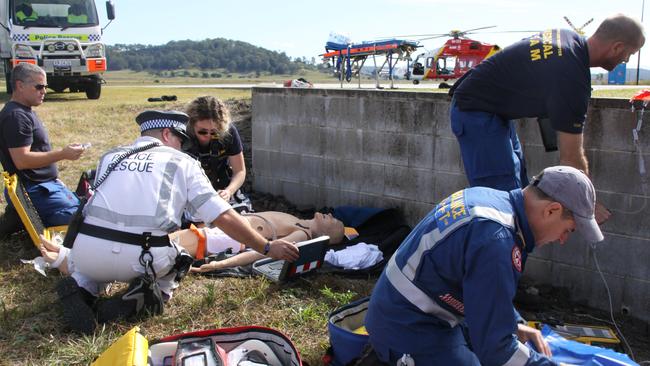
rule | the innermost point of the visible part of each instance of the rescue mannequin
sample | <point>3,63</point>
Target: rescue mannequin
<point>270,224</point>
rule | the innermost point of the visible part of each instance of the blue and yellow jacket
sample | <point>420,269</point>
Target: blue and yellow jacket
<point>459,266</point>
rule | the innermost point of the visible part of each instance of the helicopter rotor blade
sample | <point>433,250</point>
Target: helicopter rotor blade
<point>455,33</point>
<point>475,29</point>
<point>448,34</point>
<point>515,31</point>
<point>434,37</point>
<point>418,35</point>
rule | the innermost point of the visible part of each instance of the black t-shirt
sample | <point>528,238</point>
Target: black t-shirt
<point>19,126</point>
<point>546,75</point>
<point>214,157</point>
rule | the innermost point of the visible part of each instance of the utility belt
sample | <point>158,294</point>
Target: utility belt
<point>144,240</point>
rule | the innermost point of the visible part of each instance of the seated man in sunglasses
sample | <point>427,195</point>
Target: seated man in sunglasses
<point>25,150</point>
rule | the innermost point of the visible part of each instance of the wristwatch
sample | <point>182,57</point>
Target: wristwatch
<point>267,247</point>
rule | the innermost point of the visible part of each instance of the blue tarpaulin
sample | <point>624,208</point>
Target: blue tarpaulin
<point>577,353</point>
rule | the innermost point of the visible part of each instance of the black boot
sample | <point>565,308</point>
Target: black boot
<point>115,308</point>
<point>77,306</point>
<point>10,222</point>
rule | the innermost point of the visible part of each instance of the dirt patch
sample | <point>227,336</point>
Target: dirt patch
<point>534,302</point>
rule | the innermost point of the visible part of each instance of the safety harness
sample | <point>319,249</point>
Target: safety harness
<point>145,240</point>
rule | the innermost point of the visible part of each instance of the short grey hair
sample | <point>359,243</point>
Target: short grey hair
<point>620,27</point>
<point>24,72</point>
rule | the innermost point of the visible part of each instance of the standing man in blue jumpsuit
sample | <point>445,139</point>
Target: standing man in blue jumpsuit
<point>445,297</point>
<point>545,76</point>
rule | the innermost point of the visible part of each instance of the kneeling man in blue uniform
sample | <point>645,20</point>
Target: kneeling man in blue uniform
<point>445,297</point>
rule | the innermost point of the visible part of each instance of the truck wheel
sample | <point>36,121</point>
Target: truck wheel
<point>58,89</point>
<point>93,91</point>
<point>416,82</point>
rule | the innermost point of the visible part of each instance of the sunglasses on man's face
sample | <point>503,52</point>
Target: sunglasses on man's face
<point>40,86</point>
<point>207,132</point>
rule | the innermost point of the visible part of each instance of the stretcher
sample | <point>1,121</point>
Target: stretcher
<point>27,212</point>
<point>312,257</point>
<point>348,59</point>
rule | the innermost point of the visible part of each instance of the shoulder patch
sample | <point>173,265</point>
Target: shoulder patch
<point>451,210</point>
<point>516,257</point>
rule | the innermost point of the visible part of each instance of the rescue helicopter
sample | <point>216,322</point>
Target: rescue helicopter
<point>453,59</point>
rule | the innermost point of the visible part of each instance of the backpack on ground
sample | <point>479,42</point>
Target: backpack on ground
<point>347,333</point>
<point>248,345</point>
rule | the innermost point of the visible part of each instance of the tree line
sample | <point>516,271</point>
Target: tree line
<point>209,54</point>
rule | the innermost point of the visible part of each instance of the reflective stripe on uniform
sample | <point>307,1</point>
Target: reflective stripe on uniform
<point>416,296</point>
<point>160,217</point>
<point>520,357</point>
<point>165,193</point>
<point>402,279</point>
<point>429,240</point>
<point>197,202</point>
<point>503,218</point>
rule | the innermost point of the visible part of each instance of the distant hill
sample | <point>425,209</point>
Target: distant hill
<point>630,75</point>
<point>209,54</point>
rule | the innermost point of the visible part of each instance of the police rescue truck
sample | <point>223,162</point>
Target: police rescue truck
<point>61,36</point>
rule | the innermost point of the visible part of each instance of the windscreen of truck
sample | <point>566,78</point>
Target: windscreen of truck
<point>55,13</point>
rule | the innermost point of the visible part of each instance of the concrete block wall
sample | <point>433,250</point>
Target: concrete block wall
<point>395,149</point>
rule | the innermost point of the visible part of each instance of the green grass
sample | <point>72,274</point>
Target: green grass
<point>30,317</point>
<point>617,93</point>
<point>127,77</point>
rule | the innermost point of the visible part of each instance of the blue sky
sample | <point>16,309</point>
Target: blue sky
<point>301,28</point>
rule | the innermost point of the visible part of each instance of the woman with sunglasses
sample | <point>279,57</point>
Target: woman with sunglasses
<point>215,142</point>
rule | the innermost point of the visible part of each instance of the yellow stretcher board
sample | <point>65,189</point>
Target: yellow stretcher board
<point>27,212</point>
<point>131,349</point>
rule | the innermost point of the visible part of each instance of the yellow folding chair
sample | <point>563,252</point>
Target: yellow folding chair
<point>27,213</point>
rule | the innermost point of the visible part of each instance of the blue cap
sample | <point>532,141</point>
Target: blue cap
<point>154,119</point>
